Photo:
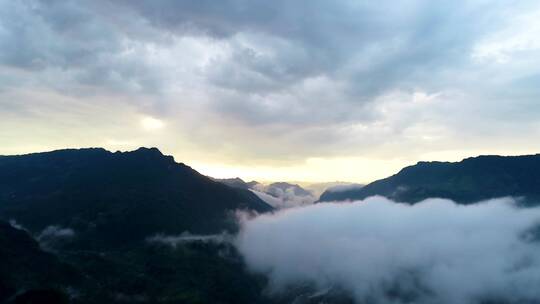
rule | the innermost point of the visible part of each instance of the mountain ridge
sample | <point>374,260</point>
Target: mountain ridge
<point>472,179</point>
<point>95,191</point>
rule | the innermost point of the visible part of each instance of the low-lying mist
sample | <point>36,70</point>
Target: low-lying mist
<point>380,251</point>
<point>283,195</point>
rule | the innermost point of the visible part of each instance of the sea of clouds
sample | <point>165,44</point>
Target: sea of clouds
<point>381,251</point>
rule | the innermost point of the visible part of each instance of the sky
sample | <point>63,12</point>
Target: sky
<point>273,90</point>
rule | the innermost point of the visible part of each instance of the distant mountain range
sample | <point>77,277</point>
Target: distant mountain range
<point>278,195</point>
<point>468,181</point>
<point>318,188</point>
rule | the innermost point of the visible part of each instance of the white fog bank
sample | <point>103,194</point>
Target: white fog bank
<point>380,251</point>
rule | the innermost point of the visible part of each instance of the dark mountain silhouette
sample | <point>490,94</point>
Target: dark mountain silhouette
<point>113,199</point>
<point>93,211</point>
<point>236,183</point>
<point>468,181</point>
<point>196,272</point>
<point>26,271</point>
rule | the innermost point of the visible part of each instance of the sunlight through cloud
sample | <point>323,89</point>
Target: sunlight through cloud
<point>150,123</point>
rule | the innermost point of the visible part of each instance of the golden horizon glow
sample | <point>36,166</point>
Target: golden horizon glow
<point>356,169</point>
<point>344,169</point>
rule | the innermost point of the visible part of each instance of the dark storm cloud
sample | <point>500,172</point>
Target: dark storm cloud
<point>61,34</point>
<point>69,42</point>
<point>372,46</point>
<point>375,43</point>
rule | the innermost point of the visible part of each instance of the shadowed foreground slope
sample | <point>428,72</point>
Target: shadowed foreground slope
<point>81,221</point>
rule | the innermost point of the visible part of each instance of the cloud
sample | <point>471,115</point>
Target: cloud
<point>283,195</point>
<point>53,236</point>
<point>186,237</point>
<point>370,78</point>
<point>151,123</point>
<point>286,199</point>
<point>13,223</point>
<point>384,252</point>
<point>269,199</point>
<point>52,232</point>
<point>64,39</point>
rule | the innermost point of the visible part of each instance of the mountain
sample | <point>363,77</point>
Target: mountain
<point>26,271</point>
<point>194,272</point>
<point>276,189</point>
<point>86,220</point>
<point>236,183</point>
<point>279,195</point>
<point>318,188</point>
<point>113,199</point>
<point>467,181</point>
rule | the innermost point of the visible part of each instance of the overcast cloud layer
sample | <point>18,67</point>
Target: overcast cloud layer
<point>384,252</point>
<point>246,82</point>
